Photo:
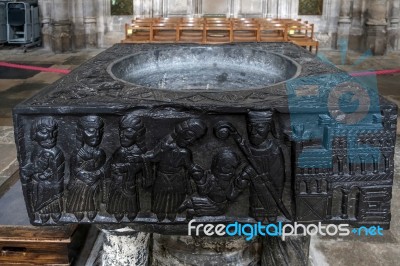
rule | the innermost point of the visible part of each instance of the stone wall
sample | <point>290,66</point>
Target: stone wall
<point>363,24</point>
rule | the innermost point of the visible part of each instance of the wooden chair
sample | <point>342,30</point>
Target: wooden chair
<point>288,20</point>
<point>272,32</point>
<point>218,32</point>
<point>138,32</point>
<point>191,32</point>
<point>216,20</point>
<point>165,32</point>
<point>268,20</point>
<point>302,34</point>
<point>244,31</point>
<point>136,20</point>
<point>168,20</point>
<point>192,20</point>
<point>244,20</point>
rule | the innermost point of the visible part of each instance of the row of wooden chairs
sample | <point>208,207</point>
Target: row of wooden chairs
<point>220,30</point>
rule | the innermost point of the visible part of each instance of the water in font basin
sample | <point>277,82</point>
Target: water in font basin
<point>204,68</point>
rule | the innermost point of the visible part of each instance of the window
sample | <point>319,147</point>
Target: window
<point>310,7</point>
<point>121,7</point>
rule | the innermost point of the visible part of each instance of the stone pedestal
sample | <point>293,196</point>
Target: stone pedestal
<point>189,250</point>
<point>61,40</point>
<point>90,32</point>
<point>125,247</point>
<point>377,38</point>
<point>291,251</point>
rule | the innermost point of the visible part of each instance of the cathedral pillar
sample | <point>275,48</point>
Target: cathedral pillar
<point>61,34</point>
<point>144,8</point>
<point>394,29</point>
<point>45,7</point>
<point>89,21</point>
<point>344,24</point>
<point>377,26</point>
<point>78,38</point>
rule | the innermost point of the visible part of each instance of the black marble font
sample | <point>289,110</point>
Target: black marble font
<point>156,135</point>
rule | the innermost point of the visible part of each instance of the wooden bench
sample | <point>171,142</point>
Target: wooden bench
<point>24,244</point>
<point>216,30</point>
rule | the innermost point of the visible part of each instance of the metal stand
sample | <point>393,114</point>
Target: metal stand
<point>23,26</point>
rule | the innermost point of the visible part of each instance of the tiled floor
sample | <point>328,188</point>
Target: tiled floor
<point>324,251</point>
<point>17,85</point>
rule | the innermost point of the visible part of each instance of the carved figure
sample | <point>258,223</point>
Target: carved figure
<point>127,166</point>
<point>216,188</point>
<point>265,172</point>
<point>44,172</point>
<point>174,166</point>
<point>268,156</point>
<point>87,169</point>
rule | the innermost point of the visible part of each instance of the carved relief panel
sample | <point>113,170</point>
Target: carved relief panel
<point>169,166</point>
<point>136,168</point>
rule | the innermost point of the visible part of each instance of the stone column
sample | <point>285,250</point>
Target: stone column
<point>102,14</point>
<point>89,22</point>
<point>394,23</point>
<point>356,38</point>
<point>328,26</point>
<point>61,39</point>
<point>272,9</point>
<point>143,8</point>
<point>344,24</point>
<point>45,7</point>
<point>293,251</point>
<point>125,247</point>
<point>203,250</point>
<point>78,26</point>
<point>284,9</point>
<point>376,26</point>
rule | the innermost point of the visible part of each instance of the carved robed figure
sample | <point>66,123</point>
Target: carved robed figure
<point>127,167</point>
<point>267,155</point>
<point>43,174</point>
<point>174,166</point>
<point>87,169</point>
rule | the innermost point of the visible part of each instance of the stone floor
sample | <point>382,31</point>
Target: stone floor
<point>18,85</point>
